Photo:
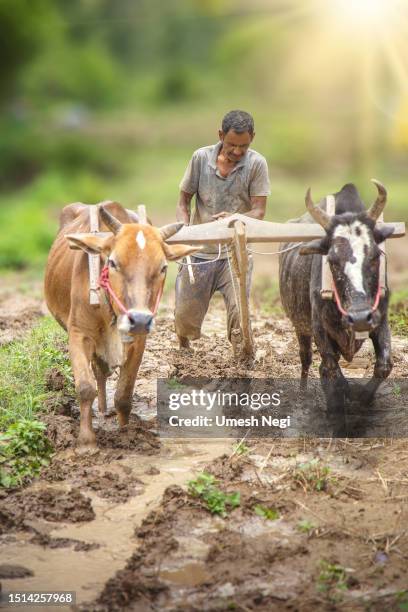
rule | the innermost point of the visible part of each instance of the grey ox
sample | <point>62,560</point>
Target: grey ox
<point>351,245</point>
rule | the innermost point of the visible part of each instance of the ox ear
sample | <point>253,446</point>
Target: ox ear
<point>177,251</point>
<point>382,234</point>
<point>90,243</point>
<point>315,247</point>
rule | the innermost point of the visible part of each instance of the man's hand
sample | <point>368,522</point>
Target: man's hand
<point>221,215</point>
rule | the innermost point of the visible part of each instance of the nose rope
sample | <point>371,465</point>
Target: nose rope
<point>104,283</point>
<point>345,312</point>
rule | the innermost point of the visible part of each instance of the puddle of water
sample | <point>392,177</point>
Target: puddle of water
<point>190,575</point>
<point>113,528</point>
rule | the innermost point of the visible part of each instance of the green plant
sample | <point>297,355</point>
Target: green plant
<point>173,383</point>
<point>402,599</point>
<point>305,526</point>
<point>241,448</point>
<point>271,514</point>
<point>24,451</point>
<point>332,576</point>
<point>313,476</point>
<point>26,367</point>
<point>398,313</point>
<point>396,390</point>
<point>205,487</point>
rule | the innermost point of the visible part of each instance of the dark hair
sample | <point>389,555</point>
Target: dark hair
<point>239,121</point>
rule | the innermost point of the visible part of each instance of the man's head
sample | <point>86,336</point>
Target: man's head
<point>236,134</point>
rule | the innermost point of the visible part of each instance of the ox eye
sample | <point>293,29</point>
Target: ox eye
<point>164,268</point>
<point>112,264</point>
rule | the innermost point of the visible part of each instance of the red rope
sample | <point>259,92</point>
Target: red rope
<point>104,282</point>
<point>374,306</point>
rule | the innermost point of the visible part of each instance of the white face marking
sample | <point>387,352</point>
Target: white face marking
<point>354,270</point>
<point>141,240</point>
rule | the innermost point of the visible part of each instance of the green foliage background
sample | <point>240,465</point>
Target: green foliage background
<point>106,99</point>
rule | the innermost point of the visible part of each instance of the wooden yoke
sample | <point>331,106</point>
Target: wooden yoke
<point>240,264</point>
<point>94,260</point>
<point>383,262</point>
<point>141,212</point>
<point>326,291</point>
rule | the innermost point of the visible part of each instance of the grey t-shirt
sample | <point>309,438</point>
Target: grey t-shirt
<point>215,193</point>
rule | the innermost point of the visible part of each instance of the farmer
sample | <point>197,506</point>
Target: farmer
<point>225,178</point>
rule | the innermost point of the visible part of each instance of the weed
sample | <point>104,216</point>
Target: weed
<point>402,599</point>
<point>271,514</point>
<point>205,487</point>
<point>305,526</point>
<point>396,390</point>
<point>24,451</point>
<point>398,313</point>
<point>25,366</point>
<point>173,383</point>
<point>313,476</point>
<point>332,577</point>
<point>241,448</point>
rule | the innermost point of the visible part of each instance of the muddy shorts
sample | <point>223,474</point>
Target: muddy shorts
<point>192,301</point>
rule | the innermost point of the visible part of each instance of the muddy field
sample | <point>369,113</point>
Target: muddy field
<point>321,524</point>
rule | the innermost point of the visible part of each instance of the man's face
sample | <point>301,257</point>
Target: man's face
<point>234,146</point>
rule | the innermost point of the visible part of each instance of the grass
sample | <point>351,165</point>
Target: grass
<point>204,486</point>
<point>265,295</point>
<point>306,526</point>
<point>270,514</point>
<point>241,448</point>
<point>26,392</point>
<point>25,367</point>
<point>398,313</point>
<point>333,577</point>
<point>312,476</point>
<point>402,599</point>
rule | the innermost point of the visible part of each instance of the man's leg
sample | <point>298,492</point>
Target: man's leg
<point>226,286</point>
<point>192,300</point>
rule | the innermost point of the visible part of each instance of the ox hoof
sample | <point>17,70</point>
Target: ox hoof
<point>184,343</point>
<point>86,449</point>
<point>86,441</point>
<point>123,420</point>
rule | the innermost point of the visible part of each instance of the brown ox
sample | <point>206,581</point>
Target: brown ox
<point>102,337</point>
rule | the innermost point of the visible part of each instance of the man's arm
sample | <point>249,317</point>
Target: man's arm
<point>258,207</point>
<point>188,187</point>
<point>183,209</point>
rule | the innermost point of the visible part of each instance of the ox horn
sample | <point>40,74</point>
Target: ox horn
<point>318,214</point>
<point>376,209</point>
<point>113,224</point>
<point>169,230</point>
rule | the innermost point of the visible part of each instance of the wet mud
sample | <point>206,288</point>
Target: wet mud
<point>119,527</point>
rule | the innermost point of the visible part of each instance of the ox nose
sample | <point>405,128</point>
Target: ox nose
<point>136,322</point>
<point>140,322</point>
<point>361,320</point>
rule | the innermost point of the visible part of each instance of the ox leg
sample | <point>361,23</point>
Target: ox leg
<point>336,390</point>
<point>127,377</point>
<point>381,339</point>
<point>81,351</point>
<point>305,353</point>
<point>334,384</point>
<point>101,374</point>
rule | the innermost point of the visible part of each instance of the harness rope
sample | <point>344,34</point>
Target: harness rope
<point>104,283</point>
